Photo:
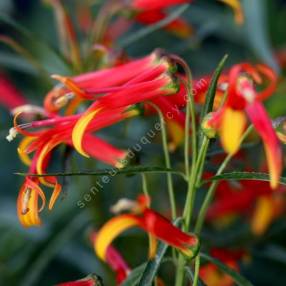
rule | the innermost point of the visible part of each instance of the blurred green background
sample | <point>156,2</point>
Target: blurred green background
<point>60,250</point>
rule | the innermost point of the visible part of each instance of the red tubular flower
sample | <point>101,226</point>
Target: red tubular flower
<point>152,83</point>
<point>178,27</point>
<point>92,85</point>
<point>53,132</point>
<point>235,199</point>
<point>10,97</point>
<point>244,100</point>
<point>155,5</point>
<point>150,221</point>
<point>90,280</point>
<point>210,273</point>
<point>115,261</point>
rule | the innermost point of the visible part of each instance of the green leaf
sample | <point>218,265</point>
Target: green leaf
<point>238,279</point>
<point>245,176</point>
<point>256,31</point>
<point>52,247</point>
<point>272,252</point>
<point>127,41</point>
<point>109,172</point>
<point>46,56</point>
<point>11,61</point>
<point>209,102</point>
<point>134,277</point>
<point>190,275</point>
<point>153,265</point>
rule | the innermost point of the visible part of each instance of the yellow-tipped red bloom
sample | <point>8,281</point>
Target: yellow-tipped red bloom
<point>150,221</point>
<point>243,100</point>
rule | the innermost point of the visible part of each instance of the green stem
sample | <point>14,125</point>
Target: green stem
<point>197,269</point>
<point>187,214</point>
<point>144,185</point>
<point>167,161</point>
<point>210,193</point>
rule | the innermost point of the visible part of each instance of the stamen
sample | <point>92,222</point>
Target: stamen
<point>124,205</point>
<point>12,134</point>
<point>28,108</point>
<point>64,100</point>
<point>26,199</point>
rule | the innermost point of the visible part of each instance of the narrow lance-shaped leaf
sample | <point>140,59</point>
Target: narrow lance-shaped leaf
<point>245,176</point>
<point>210,96</point>
<point>110,172</point>
<point>150,29</point>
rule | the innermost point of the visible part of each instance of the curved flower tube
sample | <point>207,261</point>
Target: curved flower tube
<point>155,5</point>
<point>151,222</point>
<point>90,280</point>
<point>115,261</point>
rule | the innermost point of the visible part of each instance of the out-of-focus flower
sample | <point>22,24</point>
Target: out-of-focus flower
<point>211,274</point>
<point>90,280</point>
<point>155,5</point>
<point>233,199</point>
<point>242,100</point>
<point>150,221</point>
<point>10,97</point>
<point>115,261</point>
<point>178,27</point>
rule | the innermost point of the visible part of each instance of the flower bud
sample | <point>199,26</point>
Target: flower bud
<point>207,126</point>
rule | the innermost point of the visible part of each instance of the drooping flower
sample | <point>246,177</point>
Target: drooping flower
<point>211,274</point>
<point>90,280</point>
<point>115,261</point>
<point>155,5</point>
<point>148,220</point>
<point>178,27</point>
<point>113,94</point>
<point>243,100</point>
<point>232,199</point>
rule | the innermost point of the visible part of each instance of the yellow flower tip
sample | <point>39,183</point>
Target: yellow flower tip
<point>132,113</point>
<point>39,165</point>
<point>27,207</point>
<point>79,130</point>
<point>231,129</point>
<point>152,246</point>
<point>176,134</point>
<point>110,231</point>
<point>60,78</point>
<point>263,215</point>
<point>235,5</point>
<point>55,195</point>
<point>22,150</point>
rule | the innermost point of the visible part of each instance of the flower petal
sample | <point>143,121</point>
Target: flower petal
<point>263,125</point>
<point>238,12</point>
<point>263,215</point>
<point>110,231</point>
<point>79,130</point>
<point>231,128</point>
